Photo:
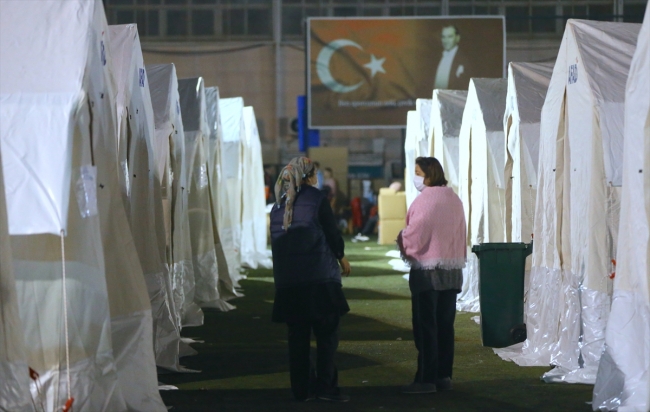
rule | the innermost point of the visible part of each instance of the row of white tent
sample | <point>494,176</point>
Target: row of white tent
<point>129,200</point>
<point>558,151</point>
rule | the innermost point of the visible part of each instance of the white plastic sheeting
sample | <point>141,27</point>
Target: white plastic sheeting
<point>170,138</point>
<point>57,100</point>
<point>577,207</point>
<point>230,182</point>
<point>446,118</point>
<point>145,282</point>
<point>482,150</point>
<point>14,391</point>
<point>197,142</point>
<point>623,379</point>
<point>254,253</point>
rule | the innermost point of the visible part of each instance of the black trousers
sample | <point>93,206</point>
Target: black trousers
<point>305,380</point>
<point>434,313</point>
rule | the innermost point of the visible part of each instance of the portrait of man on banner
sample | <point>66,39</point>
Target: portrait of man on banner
<point>454,68</point>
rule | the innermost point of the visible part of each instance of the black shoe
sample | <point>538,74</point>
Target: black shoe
<point>333,398</point>
<point>416,388</point>
<point>444,384</point>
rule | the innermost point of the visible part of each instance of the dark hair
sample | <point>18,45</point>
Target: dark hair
<point>433,171</point>
<point>317,164</point>
<point>329,169</point>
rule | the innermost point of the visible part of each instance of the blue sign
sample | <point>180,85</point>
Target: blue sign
<point>573,73</point>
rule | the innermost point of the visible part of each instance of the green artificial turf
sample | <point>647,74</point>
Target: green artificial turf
<point>244,363</point>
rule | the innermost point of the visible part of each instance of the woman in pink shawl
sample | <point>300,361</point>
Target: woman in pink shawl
<point>434,244</point>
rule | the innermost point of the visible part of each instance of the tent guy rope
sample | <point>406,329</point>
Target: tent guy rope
<point>68,404</point>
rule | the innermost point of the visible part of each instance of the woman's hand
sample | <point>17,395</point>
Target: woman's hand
<point>345,266</point>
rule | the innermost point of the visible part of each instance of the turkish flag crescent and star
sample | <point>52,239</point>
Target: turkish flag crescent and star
<point>368,72</point>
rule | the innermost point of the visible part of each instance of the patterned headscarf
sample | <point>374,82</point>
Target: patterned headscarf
<point>288,185</point>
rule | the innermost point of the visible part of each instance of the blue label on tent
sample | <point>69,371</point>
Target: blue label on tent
<point>141,77</point>
<point>103,53</point>
<point>573,73</point>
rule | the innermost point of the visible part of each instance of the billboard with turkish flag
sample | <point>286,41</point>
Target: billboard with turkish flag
<point>368,72</point>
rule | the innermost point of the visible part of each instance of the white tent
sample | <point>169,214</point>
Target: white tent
<point>253,232</point>
<point>56,121</point>
<point>14,391</point>
<point>169,136</point>
<point>578,192</point>
<point>446,117</point>
<point>144,255</point>
<point>416,143</point>
<point>527,86</point>
<point>197,141</point>
<point>623,380</point>
<point>482,150</point>
<point>230,182</point>
<point>226,286</point>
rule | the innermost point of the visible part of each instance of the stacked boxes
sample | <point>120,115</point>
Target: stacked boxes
<point>392,215</point>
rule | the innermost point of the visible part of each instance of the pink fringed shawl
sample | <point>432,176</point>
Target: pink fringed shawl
<point>435,233</point>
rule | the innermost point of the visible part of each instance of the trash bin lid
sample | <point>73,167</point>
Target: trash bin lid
<point>500,246</point>
<point>493,246</point>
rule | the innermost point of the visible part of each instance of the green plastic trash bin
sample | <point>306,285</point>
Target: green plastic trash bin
<point>501,291</point>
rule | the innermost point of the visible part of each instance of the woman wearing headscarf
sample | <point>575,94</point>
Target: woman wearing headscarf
<point>308,261</point>
<point>434,243</point>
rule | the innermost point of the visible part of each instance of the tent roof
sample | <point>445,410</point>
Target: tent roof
<point>491,95</point>
<point>231,118</point>
<point>123,38</point>
<point>451,104</point>
<point>423,107</point>
<point>531,82</point>
<point>32,61</point>
<point>192,99</point>
<point>603,52</point>
<point>161,78</point>
<point>250,124</point>
<point>41,88</point>
<point>617,41</point>
<point>212,108</point>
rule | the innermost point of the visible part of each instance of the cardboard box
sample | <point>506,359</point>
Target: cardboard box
<point>389,229</point>
<point>392,205</point>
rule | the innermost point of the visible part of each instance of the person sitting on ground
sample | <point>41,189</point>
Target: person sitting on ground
<point>434,243</point>
<point>307,252</point>
<point>371,222</point>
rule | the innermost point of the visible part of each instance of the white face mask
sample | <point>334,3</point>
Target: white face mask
<point>418,181</point>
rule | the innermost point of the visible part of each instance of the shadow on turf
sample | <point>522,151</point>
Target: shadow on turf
<point>246,342</point>
<point>465,397</point>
